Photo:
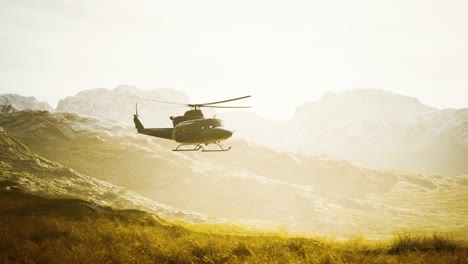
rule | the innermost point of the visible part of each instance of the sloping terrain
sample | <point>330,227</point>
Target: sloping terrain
<point>249,184</point>
<point>27,170</point>
<point>16,202</point>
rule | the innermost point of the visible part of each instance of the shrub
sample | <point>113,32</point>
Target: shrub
<point>416,242</point>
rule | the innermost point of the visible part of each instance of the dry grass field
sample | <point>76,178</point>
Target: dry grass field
<point>40,230</point>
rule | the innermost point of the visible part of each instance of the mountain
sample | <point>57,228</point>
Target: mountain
<point>22,102</point>
<point>118,104</point>
<point>437,142</point>
<point>382,129</point>
<point>360,105</point>
<point>22,168</point>
<point>371,127</point>
<point>250,184</point>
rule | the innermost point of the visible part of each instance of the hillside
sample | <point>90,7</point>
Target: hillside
<point>19,166</point>
<point>250,184</point>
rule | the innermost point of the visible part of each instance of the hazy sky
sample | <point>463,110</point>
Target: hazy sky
<point>284,53</point>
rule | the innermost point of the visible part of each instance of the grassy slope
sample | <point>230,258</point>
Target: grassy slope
<point>39,230</point>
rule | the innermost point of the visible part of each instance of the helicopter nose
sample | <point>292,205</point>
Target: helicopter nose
<point>227,133</point>
<point>223,133</point>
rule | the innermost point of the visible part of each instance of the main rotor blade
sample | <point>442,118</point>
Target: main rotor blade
<point>153,106</point>
<point>158,101</point>
<point>215,106</point>
<point>224,101</point>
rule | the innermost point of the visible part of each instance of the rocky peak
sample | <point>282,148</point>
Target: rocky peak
<point>20,102</point>
<point>118,104</point>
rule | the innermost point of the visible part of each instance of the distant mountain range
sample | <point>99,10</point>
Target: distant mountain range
<point>250,184</point>
<point>365,126</point>
<point>371,127</point>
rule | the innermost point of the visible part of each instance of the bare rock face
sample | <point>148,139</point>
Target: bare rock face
<point>119,104</point>
<point>19,102</point>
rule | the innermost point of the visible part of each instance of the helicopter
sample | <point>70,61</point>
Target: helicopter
<point>191,129</point>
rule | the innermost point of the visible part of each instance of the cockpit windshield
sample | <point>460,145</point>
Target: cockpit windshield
<point>218,122</point>
<point>211,123</point>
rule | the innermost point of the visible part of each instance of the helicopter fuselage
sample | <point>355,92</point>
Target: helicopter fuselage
<point>195,131</point>
<point>200,131</point>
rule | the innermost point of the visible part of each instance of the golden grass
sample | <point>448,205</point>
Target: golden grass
<point>32,236</point>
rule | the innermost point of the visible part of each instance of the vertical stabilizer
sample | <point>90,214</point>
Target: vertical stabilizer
<point>139,126</point>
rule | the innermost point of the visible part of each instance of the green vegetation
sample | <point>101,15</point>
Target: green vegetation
<point>39,230</point>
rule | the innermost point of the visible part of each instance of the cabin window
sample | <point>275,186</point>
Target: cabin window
<point>184,130</point>
<point>202,127</point>
<point>211,127</point>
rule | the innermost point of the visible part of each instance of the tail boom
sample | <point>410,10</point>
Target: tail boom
<point>165,133</point>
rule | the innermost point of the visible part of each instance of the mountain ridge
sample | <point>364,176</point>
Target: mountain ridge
<point>24,102</point>
<point>117,103</point>
<point>372,127</point>
<point>370,101</point>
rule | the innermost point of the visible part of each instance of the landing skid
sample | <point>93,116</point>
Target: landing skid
<point>198,147</point>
